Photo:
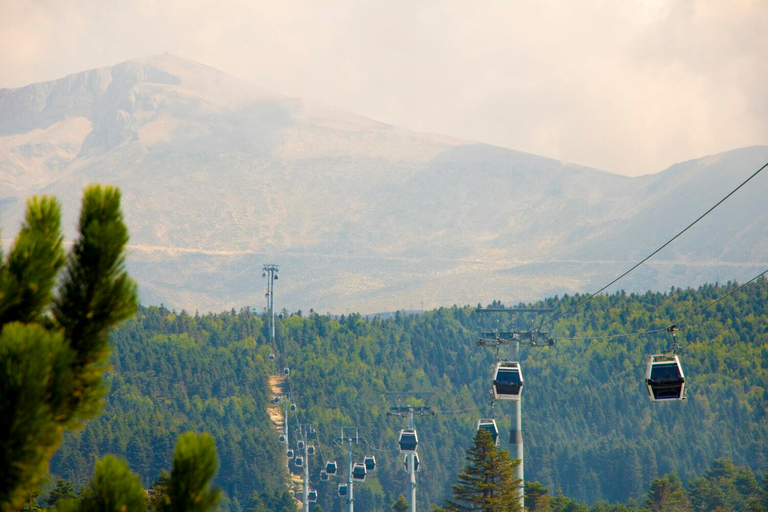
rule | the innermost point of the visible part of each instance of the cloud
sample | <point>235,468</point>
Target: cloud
<point>630,87</point>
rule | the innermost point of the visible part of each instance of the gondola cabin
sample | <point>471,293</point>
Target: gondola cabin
<point>289,454</point>
<point>409,440</point>
<point>293,407</point>
<point>271,357</point>
<point>276,400</point>
<point>299,461</point>
<point>358,472</point>
<point>415,462</point>
<point>342,490</point>
<point>323,475</point>
<point>281,438</point>
<point>507,381</point>
<point>312,496</point>
<point>489,425</point>
<point>330,467</point>
<point>300,445</point>
<point>370,463</point>
<point>664,378</point>
<point>311,449</point>
<point>286,371</point>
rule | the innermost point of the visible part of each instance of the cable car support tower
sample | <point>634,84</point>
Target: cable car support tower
<point>515,339</point>
<point>409,411</point>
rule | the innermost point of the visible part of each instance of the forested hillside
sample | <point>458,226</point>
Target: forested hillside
<point>589,427</point>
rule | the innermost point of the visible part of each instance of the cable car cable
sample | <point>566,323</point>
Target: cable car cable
<point>589,297</point>
<point>721,298</point>
<point>676,322</point>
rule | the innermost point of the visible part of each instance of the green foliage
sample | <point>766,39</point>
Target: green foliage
<point>401,505</point>
<point>194,465</point>
<point>487,483</point>
<point>667,495</point>
<point>62,490</point>
<point>51,366</point>
<point>589,426</point>
<point>113,488</point>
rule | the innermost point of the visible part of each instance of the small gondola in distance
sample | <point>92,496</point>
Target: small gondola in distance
<point>664,378</point>
<point>408,440</point>
<point>358,472</point>
<point>370,463</point>
<point>507,380</point>
<point>489,425</point>
<point>331,467</point>
<point>342,490</point>
<point>416,462</point>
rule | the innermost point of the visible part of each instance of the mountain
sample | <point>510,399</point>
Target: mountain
<point>219,177</point>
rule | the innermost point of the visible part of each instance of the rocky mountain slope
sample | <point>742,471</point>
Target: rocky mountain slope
<point>219,176</point>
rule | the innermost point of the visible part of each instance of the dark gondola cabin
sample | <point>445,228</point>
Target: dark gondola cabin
<point>299,461</point>
<point>281,438</point>
<point>286,371</point>
<point>330,467</point>
<point>293,407</point>
<point>370,463</point>
<point>342,490</point>
<point>312,496</point>
<point>507,381</point>
<point>289,454</point>
<point>323,475</point>
<point>311,450</point>
<point>489,425</point>
<point>300,445</point>
<point>358,472</point>
<point>416,462</point>
<point>409,440</point>
<point>271,357</point>
<point>664,378</point>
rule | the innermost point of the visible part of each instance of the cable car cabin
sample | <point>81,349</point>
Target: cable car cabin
<point>289,454</point>
<point>323,475</point>
<point>664,378</point>
<point>271,357</point>
<point>507,381</point>
<point>312,496</point>
<point>310,450</point>
<point>358,472</point>
<point>409,440</point>
<point>281,438</point>
<point>299,461</point>
<point>293,407</point>
<point>415,463</point>
<point>370,463</point>
<point>489,425</point>
<point>286,371</point>
<point>300,444</point>
<point>342,490</point>
<point>330,467</point>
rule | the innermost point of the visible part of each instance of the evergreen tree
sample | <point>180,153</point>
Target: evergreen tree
<point>400,505</point>
<point>113,488</point>
<point>194,465</point>
<point>536,499</point>
<point>62,490</point>
<point>53,350</point>
<point>487,483</point>
<point>667,495</point>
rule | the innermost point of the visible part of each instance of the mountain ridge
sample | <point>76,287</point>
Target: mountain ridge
<point>219,176</point>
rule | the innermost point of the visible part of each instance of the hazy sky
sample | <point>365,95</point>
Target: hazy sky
<point>627,86</point>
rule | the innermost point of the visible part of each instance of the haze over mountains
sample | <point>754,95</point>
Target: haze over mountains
<point>219,177</point>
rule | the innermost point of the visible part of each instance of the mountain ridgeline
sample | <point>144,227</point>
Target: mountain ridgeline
<point>589,427</point>
<point>219,176</point>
